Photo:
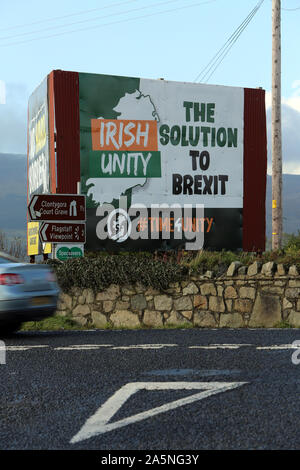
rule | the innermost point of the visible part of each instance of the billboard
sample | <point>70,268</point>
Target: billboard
<point>160,162</point>
<point>38,163</point>
<point>158,142</point>
<point>38,142</point>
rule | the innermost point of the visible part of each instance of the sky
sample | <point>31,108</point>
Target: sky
<point>170,39</point>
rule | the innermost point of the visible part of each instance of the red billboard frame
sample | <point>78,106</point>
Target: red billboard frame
<point>64,102</point>
<point>255,170</point>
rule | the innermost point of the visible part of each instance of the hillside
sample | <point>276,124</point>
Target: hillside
<point>13,190</point>
<point>291,204</point>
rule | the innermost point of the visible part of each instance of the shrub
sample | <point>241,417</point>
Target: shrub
<point>292,243</point>
<point>99,272</point>
<point>216,261</point>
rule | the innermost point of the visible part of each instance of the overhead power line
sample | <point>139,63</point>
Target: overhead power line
<point>88,20</point>
<point>101,25</point>
<point>218,58</point>
<point>55,18</point>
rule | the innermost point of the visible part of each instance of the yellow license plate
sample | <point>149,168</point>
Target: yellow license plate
<point>40,301</point>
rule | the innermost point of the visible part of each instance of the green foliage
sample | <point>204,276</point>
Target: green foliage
<point>219,261</point>
<point>292,243</point>
<point>216,261</point>
<point>283,324</point>
<point>99,272</point>
<point>178,326</point>
<point>53,323</point>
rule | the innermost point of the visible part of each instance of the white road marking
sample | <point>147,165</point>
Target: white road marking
<point>279,346</point>
<point>98,422</point>
<point>145,346</point>
<point>25,348</point>
<point>82,347</point>
<point>220,346</point>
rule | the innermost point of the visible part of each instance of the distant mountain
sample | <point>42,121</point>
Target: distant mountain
<point>13,174</point>
<point>291,204</point>
<point>13,191</point>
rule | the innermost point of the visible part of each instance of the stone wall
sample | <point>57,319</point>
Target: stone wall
<point>254,296</point>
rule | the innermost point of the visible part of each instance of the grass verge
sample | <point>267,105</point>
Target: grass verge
<point>58,323</point>
<point>53,323</point>
<point>283,324</point>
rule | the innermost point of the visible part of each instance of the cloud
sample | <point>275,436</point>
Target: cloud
<point>268,99</point>
<point>2,92</point>
<point>290,121</point>
<point>13,120</point>
<point>293,102</point>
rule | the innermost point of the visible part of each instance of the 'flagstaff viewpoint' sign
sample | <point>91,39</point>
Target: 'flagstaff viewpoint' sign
<point>62,232</point>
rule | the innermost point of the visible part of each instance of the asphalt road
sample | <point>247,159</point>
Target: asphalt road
<point>151,390</point>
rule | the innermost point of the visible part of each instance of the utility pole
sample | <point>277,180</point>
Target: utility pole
<point>276,129</point>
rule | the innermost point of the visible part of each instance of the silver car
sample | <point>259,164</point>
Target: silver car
<point>28,292</point>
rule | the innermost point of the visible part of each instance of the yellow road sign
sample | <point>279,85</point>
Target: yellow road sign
<point>47,248</point>
<point>32,238</point>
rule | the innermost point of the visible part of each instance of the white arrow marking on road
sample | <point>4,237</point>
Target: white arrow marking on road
<point>98,422</point>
